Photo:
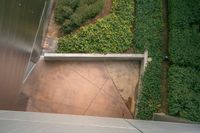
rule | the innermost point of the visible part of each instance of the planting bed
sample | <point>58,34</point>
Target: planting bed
<point>184,73</point>
<point>149,35</point>
<point>111,34</point>
<point>70,14</point>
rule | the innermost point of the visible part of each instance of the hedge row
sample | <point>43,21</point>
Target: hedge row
<point>184,74</point>
<point>184,94</point>
<point>111,34</point>
<point>184,13</point>
<point>184,41</point>
<point>185,47</point>
<point>70,14</point>
<point>148,35</point>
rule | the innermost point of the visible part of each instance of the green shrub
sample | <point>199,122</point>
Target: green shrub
<point>68,27</point>
<point>88,2</point>
<point>111,34</point>
<point>149,97</point>
<point>184,33</point>
<point>106,36</point>
<point>148,35</point>
<point>184,48</point>
<point>94,9</point>
<point>76,12</point>
<point>124,9</point>
<point>77,19</point>
<point>71,3</point>
<point>62,13</point>
<point>184,93</point>
<point>183,13</point>
<point>86,12</point>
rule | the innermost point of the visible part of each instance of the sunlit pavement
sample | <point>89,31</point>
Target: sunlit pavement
<point>95,88</point>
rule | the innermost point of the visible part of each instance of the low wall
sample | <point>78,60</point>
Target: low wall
<point>95,57</point>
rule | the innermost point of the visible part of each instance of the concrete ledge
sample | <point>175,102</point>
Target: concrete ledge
<point>96,57</point>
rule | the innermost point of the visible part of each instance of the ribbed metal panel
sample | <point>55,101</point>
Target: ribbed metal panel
<point>20,33</point>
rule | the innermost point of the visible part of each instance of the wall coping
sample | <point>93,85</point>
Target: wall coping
<point>96,57</point>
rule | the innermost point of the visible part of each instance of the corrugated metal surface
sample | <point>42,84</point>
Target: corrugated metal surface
<point>19,24</point>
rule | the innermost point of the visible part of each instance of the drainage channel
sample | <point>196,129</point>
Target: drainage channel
<point>165,63</point>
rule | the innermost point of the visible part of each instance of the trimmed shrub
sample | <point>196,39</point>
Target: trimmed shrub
<point>184,13</point>
<point>149,98</point>
<point>70,14</point>
<point>148,35</point>
<point>68,27</point>
<point>62,13</point>
<point>184,93</point>
<point>88,2</point>
<point>77,19</point>
<point>94,9</point>
<point>184,48</point>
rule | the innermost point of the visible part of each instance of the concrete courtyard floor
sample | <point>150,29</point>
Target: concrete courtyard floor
<point>95,88</point>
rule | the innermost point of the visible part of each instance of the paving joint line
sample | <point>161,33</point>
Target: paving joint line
<point>116,88</point>
<point>133,126</point>
<point>86,78</point>
<point>94,98</point>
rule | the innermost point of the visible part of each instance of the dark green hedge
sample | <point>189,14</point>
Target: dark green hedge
<point>70,14</point>
<point>148,35</point>
<point>184,48</point>
<point>184,19</point>
<point>184,13</point>
<point>149,98</point>
<point>184,93</point>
